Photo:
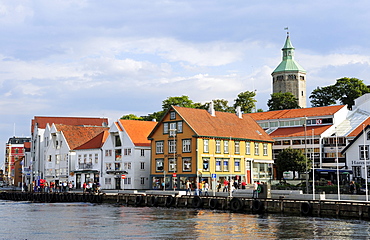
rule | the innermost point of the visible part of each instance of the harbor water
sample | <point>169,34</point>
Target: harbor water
<point>25,220</point>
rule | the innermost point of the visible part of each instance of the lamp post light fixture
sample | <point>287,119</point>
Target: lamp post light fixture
<point>313,166</point>
<point>173,134</point>
<point>305,149</point>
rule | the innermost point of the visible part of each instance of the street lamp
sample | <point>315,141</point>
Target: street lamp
<point>313,165</point>
<point>337,160</point>
<point>305,149</point>
<point>364,151</point>
<point>173,134</point>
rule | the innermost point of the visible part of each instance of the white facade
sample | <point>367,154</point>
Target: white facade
<point>357,154</point>
<point>122,157</point>
<point>86,167</point>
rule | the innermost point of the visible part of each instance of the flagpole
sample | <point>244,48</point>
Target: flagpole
<point>364,151</point>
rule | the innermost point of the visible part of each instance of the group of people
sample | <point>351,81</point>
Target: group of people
<point>202,188</point>
<point>91,187</point>
<point>230,185</point>
<point>43,186</point>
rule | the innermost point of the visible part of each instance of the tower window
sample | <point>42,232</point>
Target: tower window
<point>302,93</point>
<point>301,77</point>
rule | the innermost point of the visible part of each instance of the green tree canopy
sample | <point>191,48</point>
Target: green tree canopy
<point>280,101</point>
<point>246,101</point>
<point>131,117</point>
<point>291,160</point>
<point>345,90</point>
<point>220,105</point>
<point>182,101</point>
<point>324,96</point>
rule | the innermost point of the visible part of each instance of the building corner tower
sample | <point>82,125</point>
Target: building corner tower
<point>289,76</point>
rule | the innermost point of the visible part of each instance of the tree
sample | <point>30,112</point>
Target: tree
<point>220,105</point>
<point>345,90</point>
<point>280,101</point>
<point>182,101</point>
<point>246,101</point>
<point>291,160</point>
<point>324,96</point>
<point>348,89</point>
<point>131,117</point>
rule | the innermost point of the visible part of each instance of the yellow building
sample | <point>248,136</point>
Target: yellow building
<point>200,145</point>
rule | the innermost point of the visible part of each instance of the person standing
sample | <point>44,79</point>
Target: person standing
<point>188,187</point>
<point>352,187</point>
<point>255,189</point>
<point>84,185</point>
<point>206,186</point>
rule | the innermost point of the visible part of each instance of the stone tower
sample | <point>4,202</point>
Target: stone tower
<point>289,76</point>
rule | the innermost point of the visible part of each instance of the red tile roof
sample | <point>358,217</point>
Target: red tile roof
<point>77,136</point>
<point>298,131</point>
<point>138,131</point>
<point>75,121</point>
<point>96,142</point>
<point>295,113</point>
<point>357,130</point>
<point>222,125</point>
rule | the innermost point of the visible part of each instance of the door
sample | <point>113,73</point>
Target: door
<point>118,183</point>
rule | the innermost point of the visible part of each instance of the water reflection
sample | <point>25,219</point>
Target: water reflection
<point>89,221</point>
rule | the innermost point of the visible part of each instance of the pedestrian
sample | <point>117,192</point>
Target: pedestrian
<point>218,186</point>
<point>352,187</point>
<point>226,184</point>
<point>255,189</point>
<point>188,187</point>
<point>206,186</point>
<point>84,185</point>
<point>243,184</point>
<point>70,186</point>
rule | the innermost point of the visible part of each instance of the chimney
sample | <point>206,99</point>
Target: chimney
<point>211,109</point>
<point>239,112</point>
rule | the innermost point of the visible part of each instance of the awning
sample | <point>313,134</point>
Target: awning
<point>341,171</point>
<point>86,171</point>
<point>263,161</point>
<point>116,172</point>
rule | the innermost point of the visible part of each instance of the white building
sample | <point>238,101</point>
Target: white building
<point>127,152</point>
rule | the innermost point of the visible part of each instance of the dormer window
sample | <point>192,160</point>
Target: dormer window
<point>172,115</point>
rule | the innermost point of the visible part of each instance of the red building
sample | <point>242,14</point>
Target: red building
<point>14,156</point>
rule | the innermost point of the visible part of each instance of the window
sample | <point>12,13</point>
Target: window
<point>127,151</point>
<point>159,165</point>
<point>256,149</point>
<point>218,146</point>
<point>172,115</point>
<point>226,165</point>
<point>265,149</point>
<point>248,148</point>
<point>117,141</point>
<point>172,146</point>
<point>96,158</point>
<point>226,146</point>
<point>206,164</point>
<point>57,159</point>
<point>118,154</point>
<point>364,152</point>
<point>127,181</point>
<point>173,129</point>
<point>205,145</point>
<point>117,166</point>
<point>186,164</point>
<point>108,153</point>
<point>142,165</point>
<point>85,158</point>
<point>186,145</point>
<point>179,127</point>
<point>218,164</point>
<point>368,135</point>
<point>142,180</point>
<point>90,158</point>
<point>142,152</point>
<point>49,158</point>
<point>127,165</point>
<point>159,147</point>
<point>237,164</point>
<point>108,166</point>
<point>79,158</point>
<point>165,128</point>
<point>107,181</point>
<point>237,147</point>
<point>172,165</point>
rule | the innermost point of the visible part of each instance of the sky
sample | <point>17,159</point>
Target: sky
<point>93,58</point>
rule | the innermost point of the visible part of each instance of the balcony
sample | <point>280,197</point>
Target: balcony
<point>85,166</point>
